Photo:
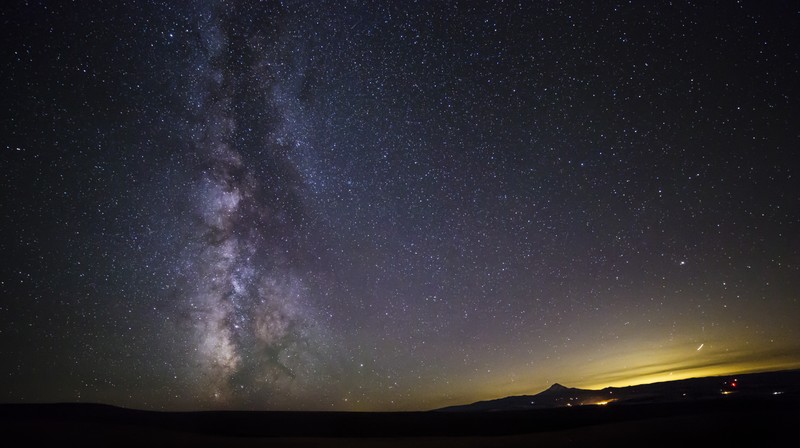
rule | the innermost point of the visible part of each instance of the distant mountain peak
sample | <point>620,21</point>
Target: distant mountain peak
<point>766,384</point>
<point>556,388</point>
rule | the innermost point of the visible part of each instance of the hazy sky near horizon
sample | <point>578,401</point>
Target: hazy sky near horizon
<point>393,205</point>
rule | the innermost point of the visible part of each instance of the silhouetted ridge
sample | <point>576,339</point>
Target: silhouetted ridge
<point>753,385</point>
<point>556,388</point>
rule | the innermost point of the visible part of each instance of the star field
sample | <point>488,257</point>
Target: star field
<point>393,205</point>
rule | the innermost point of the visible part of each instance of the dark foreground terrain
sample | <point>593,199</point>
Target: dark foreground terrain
<point>726,421</point>
<point>750,410</point>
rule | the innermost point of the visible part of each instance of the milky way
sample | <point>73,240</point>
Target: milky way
<point>393,205</point>
<point>254,331</point>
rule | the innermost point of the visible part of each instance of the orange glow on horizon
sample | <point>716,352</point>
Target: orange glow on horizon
<point>623,365</point>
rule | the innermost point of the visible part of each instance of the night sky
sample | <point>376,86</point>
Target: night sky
<point>393,205</point>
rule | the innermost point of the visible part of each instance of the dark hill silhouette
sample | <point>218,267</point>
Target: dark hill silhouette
<point>751,385</point>
<point>661,414</point>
